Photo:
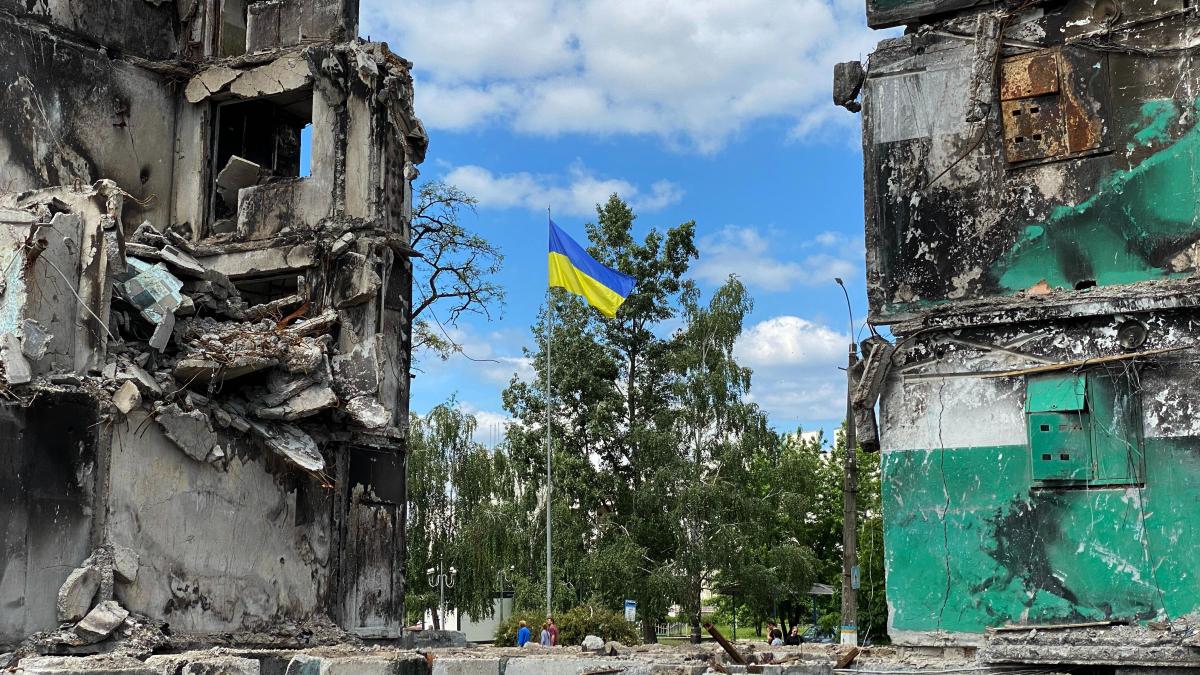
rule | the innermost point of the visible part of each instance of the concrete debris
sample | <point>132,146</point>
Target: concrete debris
<point>127,397</point>
<point>16,368</point>
<point>238,173</point>
<point>191,431</point>
<point>35,339</point>
<point>592,643</point>
<point>75,595</point>
<point>342,244</point>
<point>183,262</point>
<point>356,373</point>
<point>101,621</point>
<point>367,411</point>
<point>306,403</point>
<point>355,281</point>
<point>125,563</point>
<point>291,442</point>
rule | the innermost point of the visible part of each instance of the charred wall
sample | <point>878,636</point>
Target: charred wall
<point>47,500</point>
<point>73,114</point>
<point>1078,175</point>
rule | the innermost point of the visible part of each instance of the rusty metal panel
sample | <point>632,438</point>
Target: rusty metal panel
<point>1029,75</point>
<point>1085,81</point>
<point>1033,128</point>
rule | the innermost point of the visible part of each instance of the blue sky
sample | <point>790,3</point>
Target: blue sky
<point>716,111</point>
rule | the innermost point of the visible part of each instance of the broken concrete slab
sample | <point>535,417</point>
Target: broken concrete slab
<point>86,665</point>
<point>238,173</point>
<point>288,73</point>
<point>368,412</point>
<point>283,385</point>
<point>125,563</point>
<point>291,442</point>
<point>204,370</point>
<point>76,594</point>
<point>342,244</point>
<point>163,331</point>
<point>99,623</point>
<point>181,261</point>
<point>306,403</point>
<point>203,663</point>
<point>191,431</point>
<point>35,339</point>
<point>16,368</point>
<point>127,397</point>
<point>355,281</point>
<point>356,373</point>
<point>208,82</point>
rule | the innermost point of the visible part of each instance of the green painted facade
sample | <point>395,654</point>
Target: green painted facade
<point>1131,225</point>
<point>972,541</point>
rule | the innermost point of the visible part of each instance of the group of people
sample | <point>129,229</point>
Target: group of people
<point>548,637</point>
<point>775,635</point>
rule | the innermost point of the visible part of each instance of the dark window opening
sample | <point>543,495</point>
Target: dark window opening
<point>233,28</point>
<point>1065,456</point>
<point>261,290</point>
<point>1045,427</point>
<point>256,141</point>
<point>1046,457</point>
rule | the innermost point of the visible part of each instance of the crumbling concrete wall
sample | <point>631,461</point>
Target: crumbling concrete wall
<point>1031,201</point>
<point>206,566</point>
<point>47,500</point>
<point>71,114</point>
<point>240,332</point>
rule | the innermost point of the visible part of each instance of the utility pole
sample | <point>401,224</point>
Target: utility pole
<point>850,499</point>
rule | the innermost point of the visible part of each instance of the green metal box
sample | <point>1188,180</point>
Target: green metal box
<point>1084,428</point>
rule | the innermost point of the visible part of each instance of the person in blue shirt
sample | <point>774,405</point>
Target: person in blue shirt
<point>523,635</point>
<point>545,637</point>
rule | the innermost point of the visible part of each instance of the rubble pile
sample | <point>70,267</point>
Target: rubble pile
<point>88,611</point>
<point>1157,643</point>
<point>167,336</point>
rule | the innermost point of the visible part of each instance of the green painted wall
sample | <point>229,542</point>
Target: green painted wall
<point>1131,225</point>
<point>969,544</point>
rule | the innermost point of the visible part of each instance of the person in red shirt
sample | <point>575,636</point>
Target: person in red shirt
<point>553,631</point>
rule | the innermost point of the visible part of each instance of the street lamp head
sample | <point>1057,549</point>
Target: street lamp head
<point>839,281</point>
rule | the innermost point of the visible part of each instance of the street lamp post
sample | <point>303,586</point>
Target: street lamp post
<point>849,631</point>
<point>502,576</point>
<point>441,581</point>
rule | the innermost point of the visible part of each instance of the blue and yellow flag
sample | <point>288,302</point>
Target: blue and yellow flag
<point>573,269</point>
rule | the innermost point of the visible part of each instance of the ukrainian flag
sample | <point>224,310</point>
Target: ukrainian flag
<point>573,269</point>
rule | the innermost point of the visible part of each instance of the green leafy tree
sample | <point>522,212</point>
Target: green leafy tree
<point>460,503</point>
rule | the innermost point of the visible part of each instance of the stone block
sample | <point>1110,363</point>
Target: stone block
<point>83,665</point>
<point>445,666</point>
<point>76,593</point>
<point>222,665</point>
<point>99,623</point>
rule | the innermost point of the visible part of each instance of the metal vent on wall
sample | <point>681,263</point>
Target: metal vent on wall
<point>1046,112</point>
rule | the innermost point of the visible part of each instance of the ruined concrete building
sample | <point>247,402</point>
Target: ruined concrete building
<point>204,318</point>
<point>1032,202</point>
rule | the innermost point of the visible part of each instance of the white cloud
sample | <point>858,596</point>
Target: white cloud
<point>744,251</point>
<point>795,363</point>
<point>578,194</point>
<point>696,71</point>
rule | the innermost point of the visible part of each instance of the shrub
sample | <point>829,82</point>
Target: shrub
<point>585,620</point>
<point>573,626</point>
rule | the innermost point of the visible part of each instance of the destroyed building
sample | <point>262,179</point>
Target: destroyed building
<point>204,317</point>
<point>1031,203</point>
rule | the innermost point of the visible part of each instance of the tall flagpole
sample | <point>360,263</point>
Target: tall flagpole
<point>549,398</point>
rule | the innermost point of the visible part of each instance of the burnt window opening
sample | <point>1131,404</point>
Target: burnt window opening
<point>254,142</point>
<point>261,290</point>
